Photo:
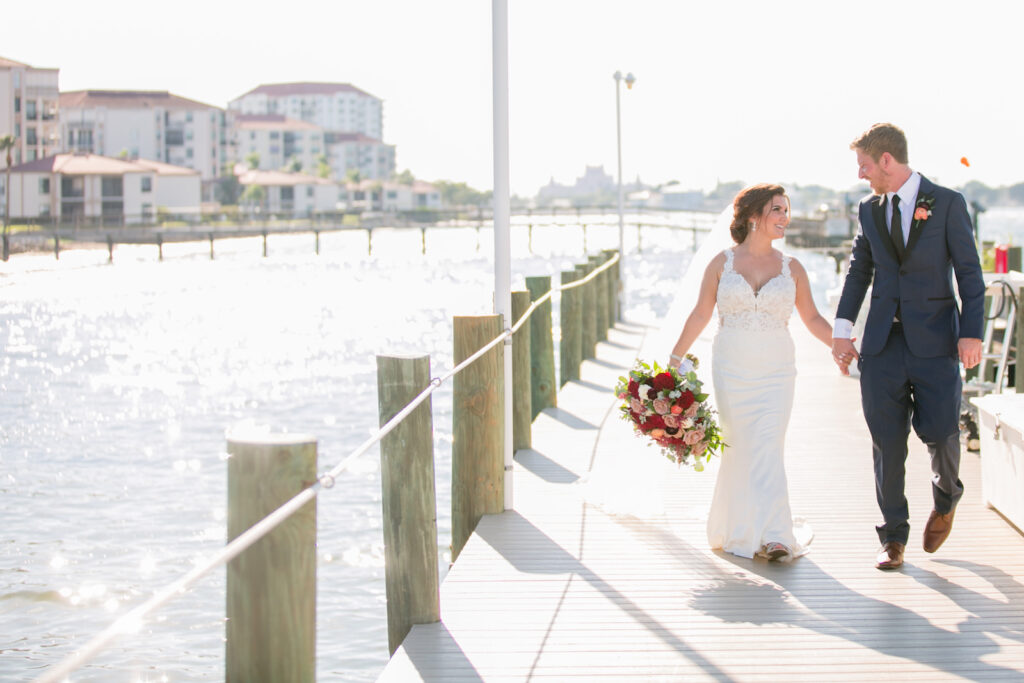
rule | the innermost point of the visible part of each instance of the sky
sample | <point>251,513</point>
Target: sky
<point>725,90</point>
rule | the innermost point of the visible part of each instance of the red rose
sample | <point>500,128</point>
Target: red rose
<point>652,422</point>
<point>634,388</point>
<point>685,400</point>
<point>663,381</point>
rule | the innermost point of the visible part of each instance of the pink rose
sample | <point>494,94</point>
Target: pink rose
<point>636,406</point>
<point>692,410</point>
<point>661,406</point>
<point>672,421</point>
<point>698,449</point>
<point>693,437</point>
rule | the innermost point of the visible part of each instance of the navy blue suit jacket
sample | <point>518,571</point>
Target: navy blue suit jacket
<point>922,283</point>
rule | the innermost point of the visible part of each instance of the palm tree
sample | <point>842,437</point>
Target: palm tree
<point>6,145</point>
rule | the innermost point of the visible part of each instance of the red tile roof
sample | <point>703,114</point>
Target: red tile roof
<point>286,89</point>
<point>271,122</point>
<point>164,169</point>
<point>95,164</point>
<point>278,178</point>
<point>10,62</point>
<point>128,99</point>
<point>351,137</point>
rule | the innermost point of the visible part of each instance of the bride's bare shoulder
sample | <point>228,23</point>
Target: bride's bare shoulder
<point>796,268</point>
<point>717,263</point>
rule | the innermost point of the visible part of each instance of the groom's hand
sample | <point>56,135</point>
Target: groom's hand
<point>970,351</point>
<point>844,353</point>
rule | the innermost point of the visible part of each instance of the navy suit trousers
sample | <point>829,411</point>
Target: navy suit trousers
<point>899,389</point>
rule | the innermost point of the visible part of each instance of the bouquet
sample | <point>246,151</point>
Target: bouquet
<point>668,406</point>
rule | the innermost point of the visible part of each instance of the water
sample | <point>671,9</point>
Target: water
<point>117,384</point>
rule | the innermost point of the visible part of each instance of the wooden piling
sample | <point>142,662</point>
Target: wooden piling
<point>613,285</point>
<point>543,390</point>
<point>316,245</point>
<point>264,243</point>
<point>56,246</point>
<point>588,334</point>
<point>569,345</point>
<point>478,459</point>
<point>271,586</point>
<point>522,416</point>
<point>210,235</point>
<point>408,498</point>
<point>160,246</point>
<point>110,249</point>
<point>600,289</point>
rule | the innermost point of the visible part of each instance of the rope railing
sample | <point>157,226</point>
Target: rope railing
<point>132,621</point>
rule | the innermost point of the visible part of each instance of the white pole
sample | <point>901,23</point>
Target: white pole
<point>622,250</point>
<point>502,241</point>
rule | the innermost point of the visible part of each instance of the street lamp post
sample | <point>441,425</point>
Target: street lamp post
<point>630,80</point>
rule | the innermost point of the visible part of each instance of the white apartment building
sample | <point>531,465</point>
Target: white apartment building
<point>332,106</point>
<point>371,195</point>
<point>145,124</point>
<point>277,141</point>
<point>372,158</point>
<point>28,109</point>
<point>351,120</point>
<point>293,194</point>
<point>95,189</point>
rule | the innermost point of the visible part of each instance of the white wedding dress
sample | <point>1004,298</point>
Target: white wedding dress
<point>753,371</point>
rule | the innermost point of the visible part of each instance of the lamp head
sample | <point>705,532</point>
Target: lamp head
<point>630,80</point>
<point>617,75</point>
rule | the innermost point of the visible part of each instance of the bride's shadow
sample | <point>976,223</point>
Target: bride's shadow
<point>802,595</point>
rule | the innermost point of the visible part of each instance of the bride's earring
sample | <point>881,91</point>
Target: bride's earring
<point>753,226</point>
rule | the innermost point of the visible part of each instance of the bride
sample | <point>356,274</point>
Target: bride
<point>753,368</point>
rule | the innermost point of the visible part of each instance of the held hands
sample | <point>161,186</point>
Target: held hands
<point>844,353</point>
<point>970,352</point>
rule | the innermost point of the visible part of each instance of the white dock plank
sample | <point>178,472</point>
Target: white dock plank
<point>561,589</point>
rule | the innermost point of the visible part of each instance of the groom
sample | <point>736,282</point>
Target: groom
<point>914,235</point>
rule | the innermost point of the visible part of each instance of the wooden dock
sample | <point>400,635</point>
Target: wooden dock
<point>563,588</point>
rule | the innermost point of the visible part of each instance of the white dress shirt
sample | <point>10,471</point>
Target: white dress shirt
<point>843,329</point>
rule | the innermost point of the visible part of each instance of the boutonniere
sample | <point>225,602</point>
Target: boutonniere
<point>923,208</point>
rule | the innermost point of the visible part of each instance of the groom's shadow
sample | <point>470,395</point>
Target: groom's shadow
<point>808,597</point>
<point>803,595</point>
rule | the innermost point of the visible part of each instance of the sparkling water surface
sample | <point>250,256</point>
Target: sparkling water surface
<point>118,383</point>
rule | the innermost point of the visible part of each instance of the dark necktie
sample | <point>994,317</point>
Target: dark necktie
<point>896,229</point>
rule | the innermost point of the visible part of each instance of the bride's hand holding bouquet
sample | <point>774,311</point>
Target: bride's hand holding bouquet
<point>668,406</point>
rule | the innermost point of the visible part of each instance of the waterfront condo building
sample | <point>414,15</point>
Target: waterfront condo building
<point>145,124</point>
<point>275,142</point>
<point>294,194</point>
<point>352,122</point>
<point>89,189</point>
<point>28,109</point>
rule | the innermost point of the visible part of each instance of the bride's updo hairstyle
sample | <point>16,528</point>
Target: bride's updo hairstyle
<point>749,206</point>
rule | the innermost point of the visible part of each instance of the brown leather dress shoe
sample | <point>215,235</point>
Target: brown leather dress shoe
<point>936,531</point>
<point>890,556</point>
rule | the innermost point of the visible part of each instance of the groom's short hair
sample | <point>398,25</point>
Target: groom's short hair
<point>882,138</point>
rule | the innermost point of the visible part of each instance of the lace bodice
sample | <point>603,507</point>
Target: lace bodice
<point>769,308</point>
